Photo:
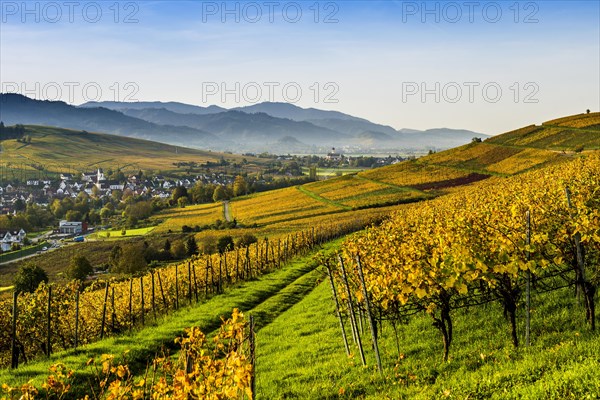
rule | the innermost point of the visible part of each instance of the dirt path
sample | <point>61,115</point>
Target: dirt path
<point>226,211</point>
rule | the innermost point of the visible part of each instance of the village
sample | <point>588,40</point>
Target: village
<point>15,198</point>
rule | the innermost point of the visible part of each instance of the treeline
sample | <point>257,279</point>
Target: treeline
<point>202,193</point>
<point>12,132</point>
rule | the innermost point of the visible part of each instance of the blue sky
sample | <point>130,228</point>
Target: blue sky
<point>481,65</point>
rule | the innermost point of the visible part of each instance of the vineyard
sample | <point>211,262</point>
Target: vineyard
<point>414,174</point>
<point>498,242</point>
<point>222,368</point>
<point>528,230</point>
<point>570,133</point>
<point>357,192</point>
<point>51,153</point>
<point>277,206</point>
<point>196,215</point>
<point>589,121</point>
<point>60,317</point>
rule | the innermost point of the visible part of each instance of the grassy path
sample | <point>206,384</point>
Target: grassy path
<point>300,355</point>
<point>323,199</point>
<point>266,298</point>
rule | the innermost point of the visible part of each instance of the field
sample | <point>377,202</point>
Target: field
<point>113,234</point>
<point>353,191</point>
<point>524,160</point>
<point>55,150</point>
<point>197,215</point>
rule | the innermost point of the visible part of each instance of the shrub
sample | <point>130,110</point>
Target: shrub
<point>79,268</point>
<point>29,277</point>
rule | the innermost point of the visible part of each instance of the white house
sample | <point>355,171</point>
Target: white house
<point>70,227</point>
<point>8,238</point>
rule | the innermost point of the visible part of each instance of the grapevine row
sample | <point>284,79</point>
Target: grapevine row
<point>58,317</point>
<point>484,244</point>
<point>219,369</point>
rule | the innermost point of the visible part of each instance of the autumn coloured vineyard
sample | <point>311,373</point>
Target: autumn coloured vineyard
<point>58,317</point>
<point>497,242</point>
<point>221,368</point>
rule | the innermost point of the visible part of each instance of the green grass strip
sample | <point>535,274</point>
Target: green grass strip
<point>266,297</point>
<point>323,199</point>
<point>14,255</point>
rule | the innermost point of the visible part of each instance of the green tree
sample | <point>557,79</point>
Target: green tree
<point>219,194</point>
<point>105,213</point>
<point>208,244</point>
<point>191,247</point>
<point>29,277</point>
<point>178,250</point>
<point>79,268</point>
<point>73,215</point>
<point>182,202</point>
<point>224,244</point>
<point>178,192</point>
<point>240,187</point>
<point>246,240</point>
<point>131,260</point>
<point>115,255</point>
<point>19,205</point>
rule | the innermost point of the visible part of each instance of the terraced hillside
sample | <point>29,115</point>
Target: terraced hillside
<point>503,155</point>
<point>576,132</point>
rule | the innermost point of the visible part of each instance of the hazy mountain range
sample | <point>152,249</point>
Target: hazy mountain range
<point>272,127</point>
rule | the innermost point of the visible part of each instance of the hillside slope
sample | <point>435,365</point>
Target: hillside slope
<point>506,154</point>
<point>56,150</point>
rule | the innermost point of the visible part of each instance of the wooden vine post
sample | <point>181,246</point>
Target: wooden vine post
<point>176,286</point>
<point>130,302</point>
<point>48,323</point>
<point>528,288</point>
<point>153,295</point>
<point>14,354</point>
<point>589,289</point>
<point>142,299</point>
<point>337,309</point>
<point>113,315</point>
<point>237,263</point>
<point>190,282</point>
<point>220,282</point>
<point>252,338</point>
<point>104,311</point>
<point>76,318</point>
<point>355,332</point>
<point>162,292</point>
<point>369,314</point>
<point>195,282</point>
